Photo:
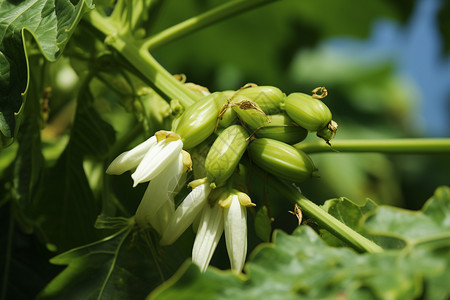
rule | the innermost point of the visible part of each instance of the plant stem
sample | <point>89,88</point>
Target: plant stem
<point>324,219</point>
<point>394,146</point>
<point>193,24</point>
<point>140,59</point>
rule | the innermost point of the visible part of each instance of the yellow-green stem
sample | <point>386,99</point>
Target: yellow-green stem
<point>324,219</point>
<point>394,146</point>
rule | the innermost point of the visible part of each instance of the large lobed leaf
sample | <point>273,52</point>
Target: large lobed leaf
<point>51,24</point>
<point>125,265</point>
<point>301,265</point>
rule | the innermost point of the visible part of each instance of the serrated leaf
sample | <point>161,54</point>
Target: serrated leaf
<point>353,215</point>
<point>415,227</point>
<point>302,266</point>
<point>349,213</point>
<point>51,24</point>
<point>125,265</point>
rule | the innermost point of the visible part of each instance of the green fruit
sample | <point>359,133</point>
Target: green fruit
<point>282,160</point>
<point>267,97</point>
<point>225,153</point>
<point>308,112</point>
<point>249,112</point>
<point>283,129</point>
<point>228,116</point>
<point>199,120</point>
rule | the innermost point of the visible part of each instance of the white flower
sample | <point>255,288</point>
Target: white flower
<point>158,157</point>
<point>208,235</point>
<point>157,206</point>
<point>235,218</point>
<point>130,159</point>
<point>160,160</point>
<point>149,158</point>
<point>187,211</point>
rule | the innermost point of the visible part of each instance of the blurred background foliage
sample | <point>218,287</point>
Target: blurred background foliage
<point>294,45</point>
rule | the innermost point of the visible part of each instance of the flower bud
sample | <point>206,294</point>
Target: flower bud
<point>267,97</point>
<point>282,128</point>
<point>282,160</point>
<point>225,153</point>
<point>199,120</point>
<point>308,112</point>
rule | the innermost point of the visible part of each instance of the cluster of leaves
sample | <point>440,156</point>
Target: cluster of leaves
<point>52,185</point>
<point>414,265</point>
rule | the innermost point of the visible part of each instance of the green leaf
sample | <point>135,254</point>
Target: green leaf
<point>430,225</point>
<point>65,208</point>
<point>51,24</point>
<point>301,265</point>
<point>125,265</point>
<point>354,215</point>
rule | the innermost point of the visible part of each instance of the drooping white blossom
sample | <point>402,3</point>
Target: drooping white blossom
<point>157,206</point>
<point>208,235</point>
<point>235,225</point>
<point>129,160</point>
<point>186,212</point>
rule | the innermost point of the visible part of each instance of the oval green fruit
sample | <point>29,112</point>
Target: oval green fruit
<point>308,112</point>
<point>225,154</point>
<point>268,98</point>
<point>282,160</point>
<point>283,129</point>
<point>249,112</point>
<point>199,120</point>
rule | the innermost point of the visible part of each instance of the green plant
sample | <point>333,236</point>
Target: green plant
<point>80,85</point>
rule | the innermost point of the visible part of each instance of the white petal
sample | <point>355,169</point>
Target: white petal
<point>160,193</point>
<point>235,219</point>
<point>186,213</point>
<point>130,159</point>
<point>156,160</point>
<point>208,235</point>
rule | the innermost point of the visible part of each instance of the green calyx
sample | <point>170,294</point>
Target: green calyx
<point>199,120</point>
<point>225,153</point>
<point>281,128</point>
<point>282,160</point>
<point>307,111</point>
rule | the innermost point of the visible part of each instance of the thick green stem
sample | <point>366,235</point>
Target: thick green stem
<point>140,59</point>
<point>324,219</point>
<point>398,146</point>
<point>191,25</point>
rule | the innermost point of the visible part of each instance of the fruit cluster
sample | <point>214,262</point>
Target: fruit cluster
<point>261,119</point>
